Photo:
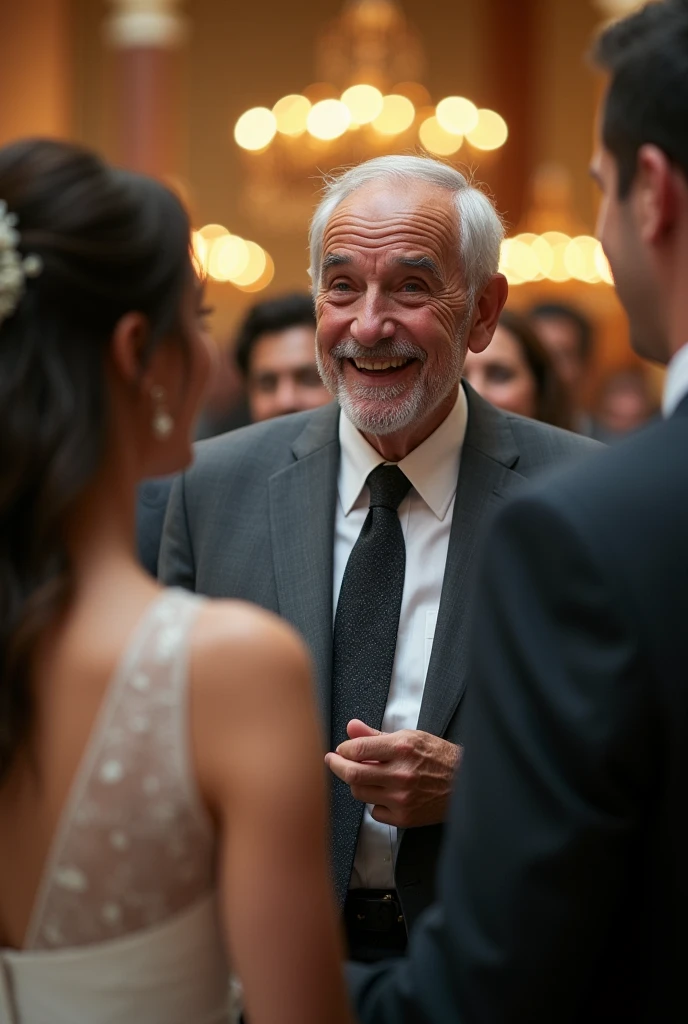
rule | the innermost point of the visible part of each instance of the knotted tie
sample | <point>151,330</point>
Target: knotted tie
<point>365,638</point>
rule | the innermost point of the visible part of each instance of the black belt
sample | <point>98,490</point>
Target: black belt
<point>374,910</point>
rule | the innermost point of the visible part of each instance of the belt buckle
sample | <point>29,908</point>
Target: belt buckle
<point>380,914</point>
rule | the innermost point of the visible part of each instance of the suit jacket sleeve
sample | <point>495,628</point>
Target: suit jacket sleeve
<point>176,564</point>
<point>537,868</point>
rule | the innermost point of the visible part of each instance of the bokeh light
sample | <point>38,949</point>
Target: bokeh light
<point>291,114</point>
<point>255,129</point>
<point>438,141</point>
<point>364,103</point>
<point>580,258</point>
<point>255,266</point>
<point>396,116</point>
<point>491,131</point>
<point>228,258</point>
<point>199,248</point>
<point>328,119</point>
<point>457,115</point>
<point>603,267</point>
<point>554,256</point>
<point>265,278</point>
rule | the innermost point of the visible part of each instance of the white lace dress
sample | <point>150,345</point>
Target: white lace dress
<point>125,927</point>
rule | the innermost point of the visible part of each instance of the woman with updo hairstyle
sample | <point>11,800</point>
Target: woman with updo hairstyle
<point>516,373</point>
<point>161,785</point>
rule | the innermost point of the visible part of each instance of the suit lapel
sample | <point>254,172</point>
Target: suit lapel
<point>302,501</point>
<point>486,476</point>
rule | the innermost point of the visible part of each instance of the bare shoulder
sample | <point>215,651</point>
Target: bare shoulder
<point>235,644</point>
<point>251,702</point>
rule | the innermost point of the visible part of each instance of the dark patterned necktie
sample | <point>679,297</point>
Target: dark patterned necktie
<point>365,639</point>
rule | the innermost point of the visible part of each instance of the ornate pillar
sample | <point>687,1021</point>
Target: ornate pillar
<point>511,91</point>
<point>147,36</point>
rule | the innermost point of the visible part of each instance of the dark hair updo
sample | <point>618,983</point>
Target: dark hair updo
<point>109,242</point>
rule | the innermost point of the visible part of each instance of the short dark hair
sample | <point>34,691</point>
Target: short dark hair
<point>294,310</point>
<point>560,311</point>
<point>646,55</point>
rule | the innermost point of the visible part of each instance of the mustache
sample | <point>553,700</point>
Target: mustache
<point>384,350</point>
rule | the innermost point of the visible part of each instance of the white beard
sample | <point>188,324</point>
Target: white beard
<point>390,408</point>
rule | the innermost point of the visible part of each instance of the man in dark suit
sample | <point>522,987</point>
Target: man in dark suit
<point>564,889</point>
<point>373,514</point>
<point>275,353</point>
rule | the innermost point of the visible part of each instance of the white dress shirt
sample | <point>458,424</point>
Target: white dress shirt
<point>426,516</point>
<point>676,383</point>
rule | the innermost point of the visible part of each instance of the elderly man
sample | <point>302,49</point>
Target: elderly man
<point>359,526</point>
<point>564,892</point>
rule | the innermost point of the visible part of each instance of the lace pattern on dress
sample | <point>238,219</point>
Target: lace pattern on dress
<point>135,844</point>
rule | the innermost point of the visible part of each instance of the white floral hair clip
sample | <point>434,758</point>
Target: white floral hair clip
<point>14,269</point>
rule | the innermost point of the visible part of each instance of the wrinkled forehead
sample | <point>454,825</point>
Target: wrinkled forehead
<point>383,216</point>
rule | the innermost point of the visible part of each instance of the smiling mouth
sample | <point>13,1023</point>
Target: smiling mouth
<point>381,366</point>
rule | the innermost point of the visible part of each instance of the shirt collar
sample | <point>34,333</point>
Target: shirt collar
<point>432,467</point>
<point>676,383</point>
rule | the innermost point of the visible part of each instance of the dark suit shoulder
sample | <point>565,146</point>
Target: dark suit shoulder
<point>544,444</point>
<point>624,510</point>
<point>262,447</point>
<point>641,482</point>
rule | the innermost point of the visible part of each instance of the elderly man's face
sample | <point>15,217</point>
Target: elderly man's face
<point>392,307</point>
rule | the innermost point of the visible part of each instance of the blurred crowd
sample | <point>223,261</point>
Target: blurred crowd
<point>541,364</point>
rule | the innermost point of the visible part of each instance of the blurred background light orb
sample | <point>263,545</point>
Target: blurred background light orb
<point>396,116</point>
<point>328,119</point>
<point>255,129</point>
<point>457,115</point>
<point>602,264</point>
<point>491,131</point>
<point>291,114</point>
<point>364,103</point>
<point>254,269</point>
<point>229,257</point>
<point>199,248</point>
<point>437,140</point>
<point>580,259</point>
<point>209,232</point>
<point>263,281</point>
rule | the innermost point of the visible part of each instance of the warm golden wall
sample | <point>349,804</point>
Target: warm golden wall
<point>242,55</point>
<point>36,60</point>
<point>57,76</point>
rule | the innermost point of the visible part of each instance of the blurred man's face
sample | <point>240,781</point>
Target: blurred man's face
<point>283,376</point>
<point>561,339</point>
<point>619,228</point>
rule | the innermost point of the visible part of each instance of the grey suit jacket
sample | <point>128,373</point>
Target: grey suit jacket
<point>254,519</point>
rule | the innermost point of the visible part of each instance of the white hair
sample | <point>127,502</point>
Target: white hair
<point>480,227</point>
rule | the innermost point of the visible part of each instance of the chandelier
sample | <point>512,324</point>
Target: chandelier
<point>368,102</point>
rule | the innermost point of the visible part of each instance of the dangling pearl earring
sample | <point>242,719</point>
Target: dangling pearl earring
<point>162,423</point>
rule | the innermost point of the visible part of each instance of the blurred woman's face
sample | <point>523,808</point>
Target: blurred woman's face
<point>502,376</point>
<point>182,370</point>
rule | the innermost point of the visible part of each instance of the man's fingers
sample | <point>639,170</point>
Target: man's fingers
<point>369,748</point>
<point>353,773</point>
<point>356,728</point>
<point>384,815</point>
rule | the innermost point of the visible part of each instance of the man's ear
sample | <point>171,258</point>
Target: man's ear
<point>490,305</point>
<point>655,198</point>
<point>127,348</point>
